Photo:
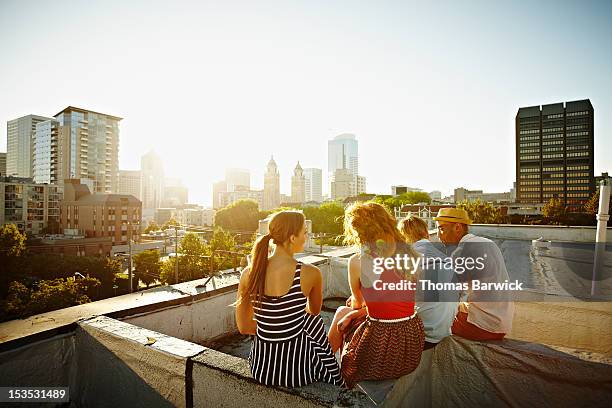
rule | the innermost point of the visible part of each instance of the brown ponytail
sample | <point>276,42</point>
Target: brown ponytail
<point>282,226</point>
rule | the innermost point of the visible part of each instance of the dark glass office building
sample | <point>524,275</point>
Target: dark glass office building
<point>554,153</point>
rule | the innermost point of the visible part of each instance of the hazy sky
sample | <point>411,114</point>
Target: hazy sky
<point>431,91</point>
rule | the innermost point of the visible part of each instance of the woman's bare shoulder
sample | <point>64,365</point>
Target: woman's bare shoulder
<point>309,270</point>
<point>244,275</point>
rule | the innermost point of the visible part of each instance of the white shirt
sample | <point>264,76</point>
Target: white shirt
<point>489,310</point>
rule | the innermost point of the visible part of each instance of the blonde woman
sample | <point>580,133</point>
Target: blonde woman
<point>436,309</point>
<point>279,301</point>
<point>388,344</point>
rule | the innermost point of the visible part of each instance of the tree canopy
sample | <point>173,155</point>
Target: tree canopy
<point>147,266</point>
<point>242,215</point>
<point>481,212</point>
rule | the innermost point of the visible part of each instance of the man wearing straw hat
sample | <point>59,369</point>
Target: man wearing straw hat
<point>487,314</point>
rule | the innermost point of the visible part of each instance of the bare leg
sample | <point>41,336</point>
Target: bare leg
<point>334,335</point>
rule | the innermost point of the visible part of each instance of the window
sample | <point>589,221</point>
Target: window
<point>581,113</point>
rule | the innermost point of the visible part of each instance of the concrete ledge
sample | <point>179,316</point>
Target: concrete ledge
<point>60,321</point>
<point>45,363</point>
<point>561,233</point>
<point>580,325</point>
<point>125,365</point>
<point>460,373</point>
<point>514,373</point>
<point>206,317</point>
<point>221,380</point>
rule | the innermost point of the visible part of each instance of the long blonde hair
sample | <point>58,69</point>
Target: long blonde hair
<point>281,227</point>
<point>366,224</point>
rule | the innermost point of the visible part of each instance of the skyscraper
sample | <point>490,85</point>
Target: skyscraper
<point>271,197</point>
<point>313,184</point>
<point>236,178</point>
<point>2,164</point>
<point>360,185</point>
<point>129,182</point>
<point>554,153</point>
<point>342,185</point>
<point>298,185</point>
<point>152,170</point>
<point>219,188</point>
<point>78,144</point>
<point>343,153</point>
<point>19,148</point>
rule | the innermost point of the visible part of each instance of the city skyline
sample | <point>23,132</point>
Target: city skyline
<point>416,107</point>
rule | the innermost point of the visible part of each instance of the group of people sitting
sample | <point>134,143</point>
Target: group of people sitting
<point>386,323</point>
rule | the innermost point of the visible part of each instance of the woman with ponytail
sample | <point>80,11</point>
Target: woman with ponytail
<point>279,301</point>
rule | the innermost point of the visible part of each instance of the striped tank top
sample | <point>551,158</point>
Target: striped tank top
<point>291,348</point>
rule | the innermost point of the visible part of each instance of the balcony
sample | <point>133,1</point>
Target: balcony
<point>177,346</point>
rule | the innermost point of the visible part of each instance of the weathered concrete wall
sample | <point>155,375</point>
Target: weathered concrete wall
<point>221,380</point>
<point>125,365</point>
<point>198,321</point>
<point>549,232</point>
<point>580,325</point>
<point>45,363</point>
<point>413,389</point>
<point>513,373</point>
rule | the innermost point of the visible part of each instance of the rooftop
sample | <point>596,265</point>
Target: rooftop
<point>178,346</point>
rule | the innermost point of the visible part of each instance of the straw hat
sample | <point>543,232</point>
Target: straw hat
<point>453,215</point>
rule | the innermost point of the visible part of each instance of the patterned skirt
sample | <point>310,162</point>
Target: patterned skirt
<point>382,349</point>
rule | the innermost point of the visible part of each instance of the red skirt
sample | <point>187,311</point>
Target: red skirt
<point>381,350</point>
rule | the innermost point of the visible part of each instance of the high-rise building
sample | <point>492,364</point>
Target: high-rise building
<point>175,195</point>
<point>236,178</point>
<point>271,191</point>
<point>78,144</point>
<point>313,184</point>
<point>33,207</point>
<point>298,185</point>
<point>129,182</point>
<point>343,184</point>
<point>554,153</point>
<point>360,185</point>
<point>152,171</point>
<point>219,188</point>
<point>343,153</point>
<point>19,148</point>
<point>2,164</point>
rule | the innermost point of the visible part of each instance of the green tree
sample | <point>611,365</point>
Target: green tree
<point>411,197</point>
<point>592,206</point>
<point>192,261</point>
<point>12,242</point>
<point>167,271</point>
<point>12,247</point>
<point>51,266</point>
<point>47,295</point>
<point>242,215</point>
<point>147,266</point>
<point>554,210</point>
<point>151,227</point>
<point>170,224</point>
<point>482,213</point>
<point>221,241</point>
